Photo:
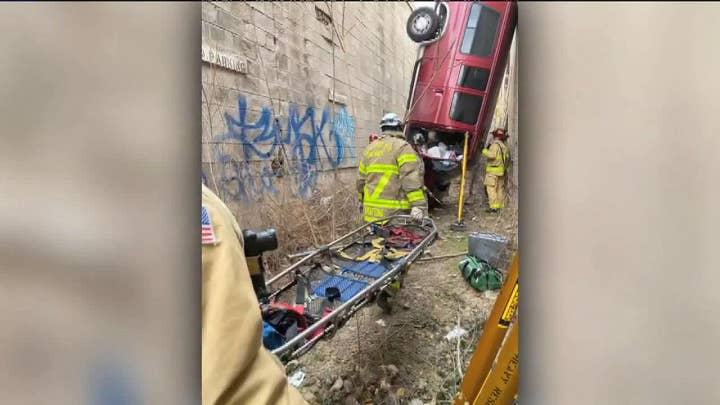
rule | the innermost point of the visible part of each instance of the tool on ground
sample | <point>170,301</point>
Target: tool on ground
<point>321,249</point>
<point>496,328</point>
<point>441,257</point>
<point>431,195</point>
<point>460,224</point>
<point>490,247</point>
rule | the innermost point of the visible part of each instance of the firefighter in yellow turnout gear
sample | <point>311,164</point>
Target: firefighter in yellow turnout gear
<point>390,175</point>
<point>498,158</point>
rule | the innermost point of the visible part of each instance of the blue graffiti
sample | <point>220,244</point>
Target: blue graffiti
<point>242,181</point>
<point>307,144</point>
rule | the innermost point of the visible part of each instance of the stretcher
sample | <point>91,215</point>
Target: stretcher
<point>315,296</point>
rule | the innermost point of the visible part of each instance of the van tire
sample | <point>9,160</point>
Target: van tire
<point>422,25</point>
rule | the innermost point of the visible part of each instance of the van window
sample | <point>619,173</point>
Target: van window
<point>473,77</point>
<point>465,107</point>
<point>481,31</point>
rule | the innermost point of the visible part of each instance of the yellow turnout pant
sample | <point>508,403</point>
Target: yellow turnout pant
<point>495,186</point>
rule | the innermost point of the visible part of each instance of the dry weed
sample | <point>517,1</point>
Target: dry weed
<point>302,224</point>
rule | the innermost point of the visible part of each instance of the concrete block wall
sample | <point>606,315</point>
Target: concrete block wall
<point>506,110</point>
<point>277,117</point>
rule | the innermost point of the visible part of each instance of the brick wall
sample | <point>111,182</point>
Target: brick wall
<point>271,112</point>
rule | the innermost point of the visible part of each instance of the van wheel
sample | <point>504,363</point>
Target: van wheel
<point>422,25</point>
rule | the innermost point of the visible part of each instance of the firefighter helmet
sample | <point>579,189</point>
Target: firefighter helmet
<point>500,133</point>
<point>390,120</point>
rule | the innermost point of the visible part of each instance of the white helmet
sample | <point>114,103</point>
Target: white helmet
<point>391,120</point>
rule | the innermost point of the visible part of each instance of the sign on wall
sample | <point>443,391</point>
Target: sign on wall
<point>224,59</point>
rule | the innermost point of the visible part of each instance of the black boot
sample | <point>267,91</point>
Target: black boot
<point>383,303</point>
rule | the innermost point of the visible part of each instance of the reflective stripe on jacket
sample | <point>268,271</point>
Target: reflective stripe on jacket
<point>390,177</point>
<point>497,157</point>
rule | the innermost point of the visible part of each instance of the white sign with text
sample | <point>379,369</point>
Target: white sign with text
<point>224,60</point>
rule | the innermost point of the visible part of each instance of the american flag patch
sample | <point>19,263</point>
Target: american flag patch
<point>208,233</point>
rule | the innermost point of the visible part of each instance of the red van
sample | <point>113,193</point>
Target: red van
<point>463,52</point>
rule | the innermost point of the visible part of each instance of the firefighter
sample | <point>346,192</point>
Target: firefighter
<point>390,175</point>
<point>236,367</point>
<point>498,157</point>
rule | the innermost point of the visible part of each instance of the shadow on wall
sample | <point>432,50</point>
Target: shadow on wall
<point>250,156</point>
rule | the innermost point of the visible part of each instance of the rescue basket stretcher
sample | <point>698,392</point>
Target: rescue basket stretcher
<point>325,288</point>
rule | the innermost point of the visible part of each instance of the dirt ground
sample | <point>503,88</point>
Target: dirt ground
<point>403,357</point>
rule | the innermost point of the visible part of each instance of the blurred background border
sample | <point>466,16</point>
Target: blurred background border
<point>100,187</point>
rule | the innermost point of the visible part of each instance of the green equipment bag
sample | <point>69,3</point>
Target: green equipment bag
<point>480,274</point>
